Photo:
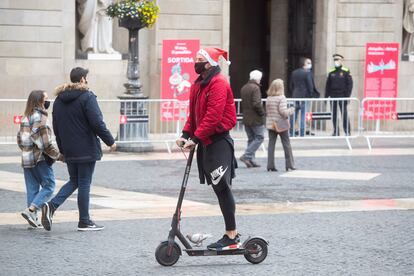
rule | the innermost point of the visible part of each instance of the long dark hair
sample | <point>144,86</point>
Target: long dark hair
<point>35,100</point>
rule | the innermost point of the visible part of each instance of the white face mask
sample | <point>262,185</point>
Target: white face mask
<point>309,66</point>
<point>337,63</point>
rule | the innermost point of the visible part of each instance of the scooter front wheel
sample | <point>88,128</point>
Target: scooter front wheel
<point>162,256</point>
<point>256,250</point>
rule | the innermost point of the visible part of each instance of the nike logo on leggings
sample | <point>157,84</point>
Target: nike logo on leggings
<point>217,174</point>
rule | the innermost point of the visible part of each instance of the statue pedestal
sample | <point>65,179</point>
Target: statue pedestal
<point>114,56</point>
<point>135,129</point>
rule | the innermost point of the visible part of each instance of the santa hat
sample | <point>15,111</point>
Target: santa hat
<point>213,55</point>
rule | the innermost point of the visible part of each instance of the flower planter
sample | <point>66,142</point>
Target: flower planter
<point>130,23</point>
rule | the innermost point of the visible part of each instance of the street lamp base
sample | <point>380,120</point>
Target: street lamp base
<point>134,147</point>
<point>133,130</point>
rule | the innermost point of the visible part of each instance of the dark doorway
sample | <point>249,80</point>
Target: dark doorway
<point>300,30</point>
<point>249,41</point>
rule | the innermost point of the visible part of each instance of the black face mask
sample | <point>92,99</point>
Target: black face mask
<point>200,67</point>
<point>46,104</point>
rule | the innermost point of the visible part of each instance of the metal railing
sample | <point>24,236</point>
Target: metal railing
<point>10,112</point>
<point>315,119</point>
<point>130,121</point>
<point>145,121</point>
<point>386,118</point>
<point>159,121</point>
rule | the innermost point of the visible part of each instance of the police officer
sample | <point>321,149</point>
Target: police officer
<point>339,85</point>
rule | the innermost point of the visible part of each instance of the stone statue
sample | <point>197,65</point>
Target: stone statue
<point>95,26</point>
<point>408,23</point>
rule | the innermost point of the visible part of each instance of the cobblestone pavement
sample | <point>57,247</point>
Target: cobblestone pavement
<point>373,241</point>
<point>363,243</point>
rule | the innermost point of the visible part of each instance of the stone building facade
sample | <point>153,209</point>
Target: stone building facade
<point>38,41</point>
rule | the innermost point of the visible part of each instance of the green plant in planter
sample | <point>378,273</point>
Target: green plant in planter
<point>144,10</point>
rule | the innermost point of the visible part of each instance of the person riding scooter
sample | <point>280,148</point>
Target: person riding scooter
<point>212,116</point>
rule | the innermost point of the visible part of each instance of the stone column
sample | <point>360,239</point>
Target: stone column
<point>279,40</point>
<point>325,41</point>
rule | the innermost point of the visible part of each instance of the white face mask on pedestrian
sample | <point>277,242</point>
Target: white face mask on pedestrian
<point>337,63</point>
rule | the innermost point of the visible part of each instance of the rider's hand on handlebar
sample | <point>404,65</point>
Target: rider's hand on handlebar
<point>113,147</point>
<point>180,142</point>
<point>189,145</point>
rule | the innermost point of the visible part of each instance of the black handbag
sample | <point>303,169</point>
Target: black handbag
<point>49,161</point>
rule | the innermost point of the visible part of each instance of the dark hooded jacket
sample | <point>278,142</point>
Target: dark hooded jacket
<point>78,122</point>
<point>251,101</point>
<point>302,85</point>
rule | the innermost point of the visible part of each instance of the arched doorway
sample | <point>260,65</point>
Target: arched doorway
<point>249,41</point>
<point>270,35</point>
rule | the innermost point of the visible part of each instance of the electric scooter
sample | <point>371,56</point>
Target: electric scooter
<point>168,252</point>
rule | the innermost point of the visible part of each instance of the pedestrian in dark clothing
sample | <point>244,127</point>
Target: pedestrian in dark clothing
<point>302,86</point>
<point>339,85</point>
<point>253,117</point>
<point>77,121</point>
<point>212,116</point>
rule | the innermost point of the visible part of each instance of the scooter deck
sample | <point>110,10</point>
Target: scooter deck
<point>207,252</point>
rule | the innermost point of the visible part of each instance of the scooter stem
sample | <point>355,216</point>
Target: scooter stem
<point>177,215</point>
<point>185,180</point>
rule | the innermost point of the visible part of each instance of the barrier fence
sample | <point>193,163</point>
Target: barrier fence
<point>386,118</point>
<point>158,121</point>
<point>316,118</point>
<point>145,121</point>
<point>10,113</point>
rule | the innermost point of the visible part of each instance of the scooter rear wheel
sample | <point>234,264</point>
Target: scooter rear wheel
<point>162,257</point>
<point>256,250</point>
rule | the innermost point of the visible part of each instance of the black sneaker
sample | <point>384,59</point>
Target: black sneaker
<point>90,226</point>
<point>254,164</point>
<point>48,211</point>
<point>247,162</point>
<point>225,243</point>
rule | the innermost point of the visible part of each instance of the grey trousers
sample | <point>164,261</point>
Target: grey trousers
<point>286,148</point>
<point>255,137</point>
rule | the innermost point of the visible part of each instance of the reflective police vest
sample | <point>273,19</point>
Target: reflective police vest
<point>339,83</point>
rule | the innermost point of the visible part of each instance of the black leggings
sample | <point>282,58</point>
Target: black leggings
<point>227,206</point>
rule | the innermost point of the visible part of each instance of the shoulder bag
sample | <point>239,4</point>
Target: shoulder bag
<point>281,125</point>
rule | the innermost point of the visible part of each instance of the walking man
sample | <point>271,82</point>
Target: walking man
<point>339,85</point>
<point>302,86</point>
<point>77,121</point>
<point>253,117</point>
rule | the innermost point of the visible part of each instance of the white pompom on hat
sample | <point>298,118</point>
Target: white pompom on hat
<point>213,55</point>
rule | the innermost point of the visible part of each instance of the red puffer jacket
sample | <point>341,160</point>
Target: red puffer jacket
<point>212,109</point>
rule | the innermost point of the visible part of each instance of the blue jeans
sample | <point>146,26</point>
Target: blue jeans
<point>303,107</point>
<point>255,137</point>
<point>40,184</point>
<point>80,177</point>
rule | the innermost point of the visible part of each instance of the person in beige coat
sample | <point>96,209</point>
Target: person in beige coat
<point>276,109</point>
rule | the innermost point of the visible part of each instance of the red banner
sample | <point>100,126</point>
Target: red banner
<point>381,79</point>
<point>177,76</point>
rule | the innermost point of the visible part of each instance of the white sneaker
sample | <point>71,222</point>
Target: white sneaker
<point>31,217</point>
